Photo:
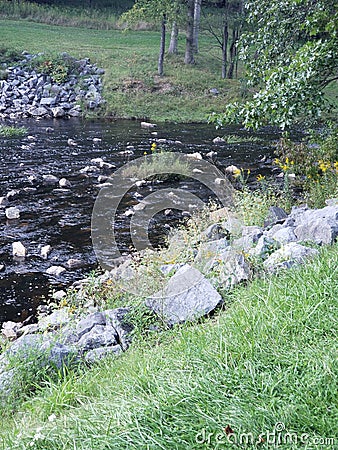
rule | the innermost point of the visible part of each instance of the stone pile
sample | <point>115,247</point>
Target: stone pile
<point>24,92</point>
<point>222,261</point>
<point>59,339</point>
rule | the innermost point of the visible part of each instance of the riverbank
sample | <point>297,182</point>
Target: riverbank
<point>132,88</point>
<point>259,361</point>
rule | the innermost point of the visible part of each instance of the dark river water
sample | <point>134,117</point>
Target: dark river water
<point>62,217</point>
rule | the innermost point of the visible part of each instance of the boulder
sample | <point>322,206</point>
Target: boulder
<point>98,336</point>
<point>89,322</point>
<point>275,215</point>
<point>187,296</point>
<point>264,247</point>
<point>285,235</point>
<point>118,320</point>
<point>321,231</point>
<point>288,255</point>
<point>230,269</point>
<point>97,354</point>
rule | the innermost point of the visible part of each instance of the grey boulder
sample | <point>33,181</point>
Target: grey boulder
<point>187,296</point>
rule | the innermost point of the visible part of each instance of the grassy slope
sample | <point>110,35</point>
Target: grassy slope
<point>132,88</point>
<point>270,357</point>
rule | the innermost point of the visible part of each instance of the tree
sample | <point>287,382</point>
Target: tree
<point>291,56</point>
<point>189,48</point>
<point>173,46</point>
<point>225,26</point>
<point>153,11</point>
<point>197,18</point>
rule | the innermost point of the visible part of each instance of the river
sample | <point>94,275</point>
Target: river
<point>61,217</point>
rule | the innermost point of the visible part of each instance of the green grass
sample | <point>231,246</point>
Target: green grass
<point>9,131</point>
<point>131,85</point>
<point>269,357</point>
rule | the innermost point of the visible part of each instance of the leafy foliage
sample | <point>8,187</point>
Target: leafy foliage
<point>290,52</point>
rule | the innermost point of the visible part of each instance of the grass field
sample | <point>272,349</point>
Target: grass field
<point>132,87</point>
<point>266,364</point>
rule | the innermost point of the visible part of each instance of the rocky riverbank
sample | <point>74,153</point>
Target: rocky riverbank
<point>27,90</point>
<point>228,253</point>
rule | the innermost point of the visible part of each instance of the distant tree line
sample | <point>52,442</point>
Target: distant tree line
<point>119,5</point>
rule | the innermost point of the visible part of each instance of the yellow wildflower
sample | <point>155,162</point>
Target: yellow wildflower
<point>335,165</point>
<point>260,177</point>
<point>324,165</point>
<point>153,146</point>
<point>145,153</point>
<point>236,173</point>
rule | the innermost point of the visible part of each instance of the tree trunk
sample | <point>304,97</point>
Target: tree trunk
<point>189,48</point>
<point>225,46</point>
<point>197,18</point>
<point>173,39</point>
<point>162,46</point>
<point>233,51</point>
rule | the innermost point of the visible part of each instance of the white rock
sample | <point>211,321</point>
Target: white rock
<point>71,142</point>
<point>217,140</point>
<point>232,169</point>
<point>219,181</point>
<point>129,213</point>
<point>55,270</point>
<point>19,249</point>
<point>64,183</point>
<point>45,251</point>
<point>74,263</point>
<point>195,155</point>
<point>12,213</point>
<point>58,295</point>
<point>97,161</point>
<point>50,179</point>
<point>148,125</point>
<point>140,183</point>
<point>140,206</point>
<point>96,140</point>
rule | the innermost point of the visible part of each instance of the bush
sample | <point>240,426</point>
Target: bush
<point>315,165</point>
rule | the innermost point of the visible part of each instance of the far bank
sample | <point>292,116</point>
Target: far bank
<point>132,88</point>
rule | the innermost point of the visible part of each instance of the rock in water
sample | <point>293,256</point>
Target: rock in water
<point>19,249</point>
<point>12,213</point>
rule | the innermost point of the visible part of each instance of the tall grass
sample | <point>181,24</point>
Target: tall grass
<point>269,358</point>
<point>82,16</point>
